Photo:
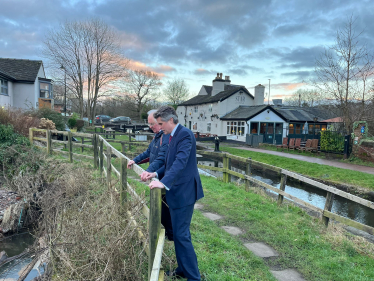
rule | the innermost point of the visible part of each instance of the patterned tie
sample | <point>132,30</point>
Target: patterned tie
<point>170,138</point>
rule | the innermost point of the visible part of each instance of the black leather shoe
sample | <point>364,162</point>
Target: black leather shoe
<point>174,274</point>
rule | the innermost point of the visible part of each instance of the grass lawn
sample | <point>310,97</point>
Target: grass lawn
<point>324,172</point>
<point>302,242</point>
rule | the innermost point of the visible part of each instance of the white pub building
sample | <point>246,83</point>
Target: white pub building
<point>225,109</point>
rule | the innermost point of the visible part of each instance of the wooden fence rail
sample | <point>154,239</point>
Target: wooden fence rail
<point>326,213</point>
<point>102,153</point>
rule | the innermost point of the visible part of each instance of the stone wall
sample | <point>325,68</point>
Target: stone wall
<point>366,151</point>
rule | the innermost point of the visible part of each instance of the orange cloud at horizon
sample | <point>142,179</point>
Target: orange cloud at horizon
<point>137,65</point>
<point>288,86</point>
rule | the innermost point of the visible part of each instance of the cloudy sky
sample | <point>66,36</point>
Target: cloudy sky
<point>249,40</point>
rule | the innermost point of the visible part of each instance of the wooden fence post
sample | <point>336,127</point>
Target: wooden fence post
<point>129,141</point>
<point>31,135</point>
<point>82,142</point>
<point>49,142</point>
<point>248,173</point>
<point>154,225</point>
<point>101,151</point>
<point>228,176</point>
<point>95,144</point>
<point>123,148</point>
<point>328,206</point>
<point>123,181</point>
<point>282,187</point>
<point>225,164</point>
<point>109,167</point>
<point>70,146</point>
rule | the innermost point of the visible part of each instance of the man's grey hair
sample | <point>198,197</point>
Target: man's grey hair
<point>152,111</point>
<point>166,112</point>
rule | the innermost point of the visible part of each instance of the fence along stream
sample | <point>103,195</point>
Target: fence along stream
<point>154,248</point>
<point>326,213</point>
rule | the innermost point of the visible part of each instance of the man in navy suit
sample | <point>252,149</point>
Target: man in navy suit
<point>180,177</point>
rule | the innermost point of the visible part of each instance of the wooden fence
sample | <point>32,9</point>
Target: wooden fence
<point>326,213</point>
<point>102,153</point>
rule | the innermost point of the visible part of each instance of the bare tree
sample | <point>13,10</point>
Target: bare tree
<point>304,98</point>
<point>176,91</point>
<point>142,87</point>
<point>89,53</point>
<point>344,72</point>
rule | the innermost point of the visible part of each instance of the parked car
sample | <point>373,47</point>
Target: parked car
<point>121,120</point>
<point>102,118</point>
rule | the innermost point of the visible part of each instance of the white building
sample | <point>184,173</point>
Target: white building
<point>24,84</point>
<point>202,113</point>
<point>231,110</point>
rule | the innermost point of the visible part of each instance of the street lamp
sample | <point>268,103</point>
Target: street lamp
<point>62,67</point>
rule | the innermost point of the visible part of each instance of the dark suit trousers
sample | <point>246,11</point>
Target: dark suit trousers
<point>166,219</point>
<point>185,253</point>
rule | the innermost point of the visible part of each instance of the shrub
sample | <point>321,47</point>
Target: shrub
<point>72,122</point>
<point>332,141</point>
<point>20,121</point>
<point>52,115</point>
<point>11,143</point>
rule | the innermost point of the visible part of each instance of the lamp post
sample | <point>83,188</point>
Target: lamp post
<point>62,67</point>
<point>269,93</point>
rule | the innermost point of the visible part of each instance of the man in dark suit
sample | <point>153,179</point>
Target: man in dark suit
<point>155,155</point>
<point>180,177</point>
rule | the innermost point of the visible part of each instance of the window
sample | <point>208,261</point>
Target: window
<point>262,128</point>
<point>291,129</point>
<point>278,128</point>
<point>194,127</point>
<point>45,90</point>
<point>236,128</point>
<point>298,129</point>
<point>195,109</point>
<point>254,127</point>
<point>209,126</point>
<point>270,128</point>
<point>4,87</point>
<point>210,107</point>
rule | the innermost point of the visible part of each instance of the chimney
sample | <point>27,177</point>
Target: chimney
<point>259,94</point>
<point>219,84</point>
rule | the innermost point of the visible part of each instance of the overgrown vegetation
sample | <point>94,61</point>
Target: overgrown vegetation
<point>332,141</point>
<point>50,114</point>
<point>84,232</point>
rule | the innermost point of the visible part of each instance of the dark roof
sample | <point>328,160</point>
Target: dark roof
<point>287,113</point>
<point>20,69</point>
<point>208,89</point>
<point>221,96</point>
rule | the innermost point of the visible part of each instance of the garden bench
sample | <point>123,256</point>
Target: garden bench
<point>109,132</point>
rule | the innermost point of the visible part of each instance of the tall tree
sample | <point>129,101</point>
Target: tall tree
<point>142,87</point>
<point>304,98</point>
<point>176,91</point>
<point>344,72</point>
<point>89,53</point>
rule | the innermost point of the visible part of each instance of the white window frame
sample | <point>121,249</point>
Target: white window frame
<point>4,87</point>
<point>236,128</point>
<point>209,127</point>
<point>196,108</point>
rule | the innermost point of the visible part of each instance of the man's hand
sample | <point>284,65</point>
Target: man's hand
<point>156,184</point>
<point>145,176</point>
<point>130,163</point>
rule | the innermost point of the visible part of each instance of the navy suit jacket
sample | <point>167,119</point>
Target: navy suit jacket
<point>180,173</point>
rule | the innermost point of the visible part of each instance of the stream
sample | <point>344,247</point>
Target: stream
<point>303,191</point>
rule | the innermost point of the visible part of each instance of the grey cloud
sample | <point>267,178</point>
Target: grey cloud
<point>299,76</point>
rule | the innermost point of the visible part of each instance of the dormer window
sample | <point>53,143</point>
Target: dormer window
<point>211,107</point>
<point>195,109</point>
<point>4,87</point>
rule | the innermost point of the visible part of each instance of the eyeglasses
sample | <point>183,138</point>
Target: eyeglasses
<point>151,124</point>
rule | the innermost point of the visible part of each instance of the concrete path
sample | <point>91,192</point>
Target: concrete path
<point>303,157</point>
<point>259,249</point>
